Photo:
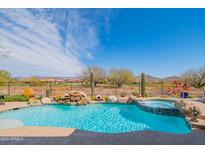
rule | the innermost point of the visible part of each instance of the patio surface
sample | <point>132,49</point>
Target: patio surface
<point>13,105</point>
<point>80,137</point>
<point>36,131</point>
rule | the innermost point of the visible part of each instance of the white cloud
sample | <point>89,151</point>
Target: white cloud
<point>46,42</point>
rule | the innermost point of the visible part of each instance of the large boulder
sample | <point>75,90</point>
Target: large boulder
<point>74,98</point>
<point>190,107</point>
<point>46,100</point>
<point>131,99</point>
<point>34,101</point>
<point>112,99</point>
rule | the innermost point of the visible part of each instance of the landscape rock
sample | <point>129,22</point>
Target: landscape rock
<point>130,99</point>
<point>74,98</point>
<point>46,100</point>
<point>34,101</point>
<point>189,107</point>
<point>112,99</point>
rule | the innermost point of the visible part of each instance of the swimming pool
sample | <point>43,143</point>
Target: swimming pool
<point>105,118</point>
<point>159,104</point>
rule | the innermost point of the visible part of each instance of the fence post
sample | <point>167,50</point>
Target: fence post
<point>92,83</point>
<point>71,85</point>
<point>116,91</point>
<point>9,88</point>
<point>50,88</point>
<point>81,86</point>
<point>162,87</point>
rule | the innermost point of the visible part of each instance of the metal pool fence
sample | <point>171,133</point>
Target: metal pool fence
<point>59,88</point>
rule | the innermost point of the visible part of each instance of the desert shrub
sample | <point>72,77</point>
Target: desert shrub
<point>190,96</point>
<point>40,97</point>
<point>123,94</point>
<point>14,98</point>
<point>147,95</point>
<point>57,98</point>
<point>106,98</point>
<point>28,92</point>
<point>93,98</point>
<point>134,93</point>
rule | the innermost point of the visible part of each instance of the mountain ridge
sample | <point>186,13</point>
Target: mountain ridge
<point>154,78</point>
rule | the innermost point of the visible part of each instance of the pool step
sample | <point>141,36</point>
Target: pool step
<point>199,124</point>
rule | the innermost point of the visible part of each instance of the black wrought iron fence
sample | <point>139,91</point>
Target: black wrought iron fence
<point>58,88</point>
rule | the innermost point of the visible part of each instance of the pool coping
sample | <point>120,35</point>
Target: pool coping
<point>27,106</point>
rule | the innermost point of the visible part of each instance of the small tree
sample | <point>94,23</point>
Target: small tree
<point>196,77</point>
<point>120,76</point>
<point>5,76</point>
<point>98,74</point>
<point>28,92</point>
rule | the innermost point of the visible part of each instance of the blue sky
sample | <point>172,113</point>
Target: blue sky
<point>61,42</point>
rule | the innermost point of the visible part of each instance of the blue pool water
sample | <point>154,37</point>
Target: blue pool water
<point>160,104</point>
<point>107,118</point>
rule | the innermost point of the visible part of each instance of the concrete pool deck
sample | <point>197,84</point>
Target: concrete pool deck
<point>17,105</point>
<point>35,131</point>
<point>13,105</point>
<point>80,137</point>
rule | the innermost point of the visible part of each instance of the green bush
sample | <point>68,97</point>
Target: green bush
<point>147,95</point>
<point>134,93</point>
<point>190,96</point>
<point>14,98</point>
<point>40,97</point>
<point>93,98</point>
<point>57,98</point>
<point>123,94</point>
<point>106,98</point>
